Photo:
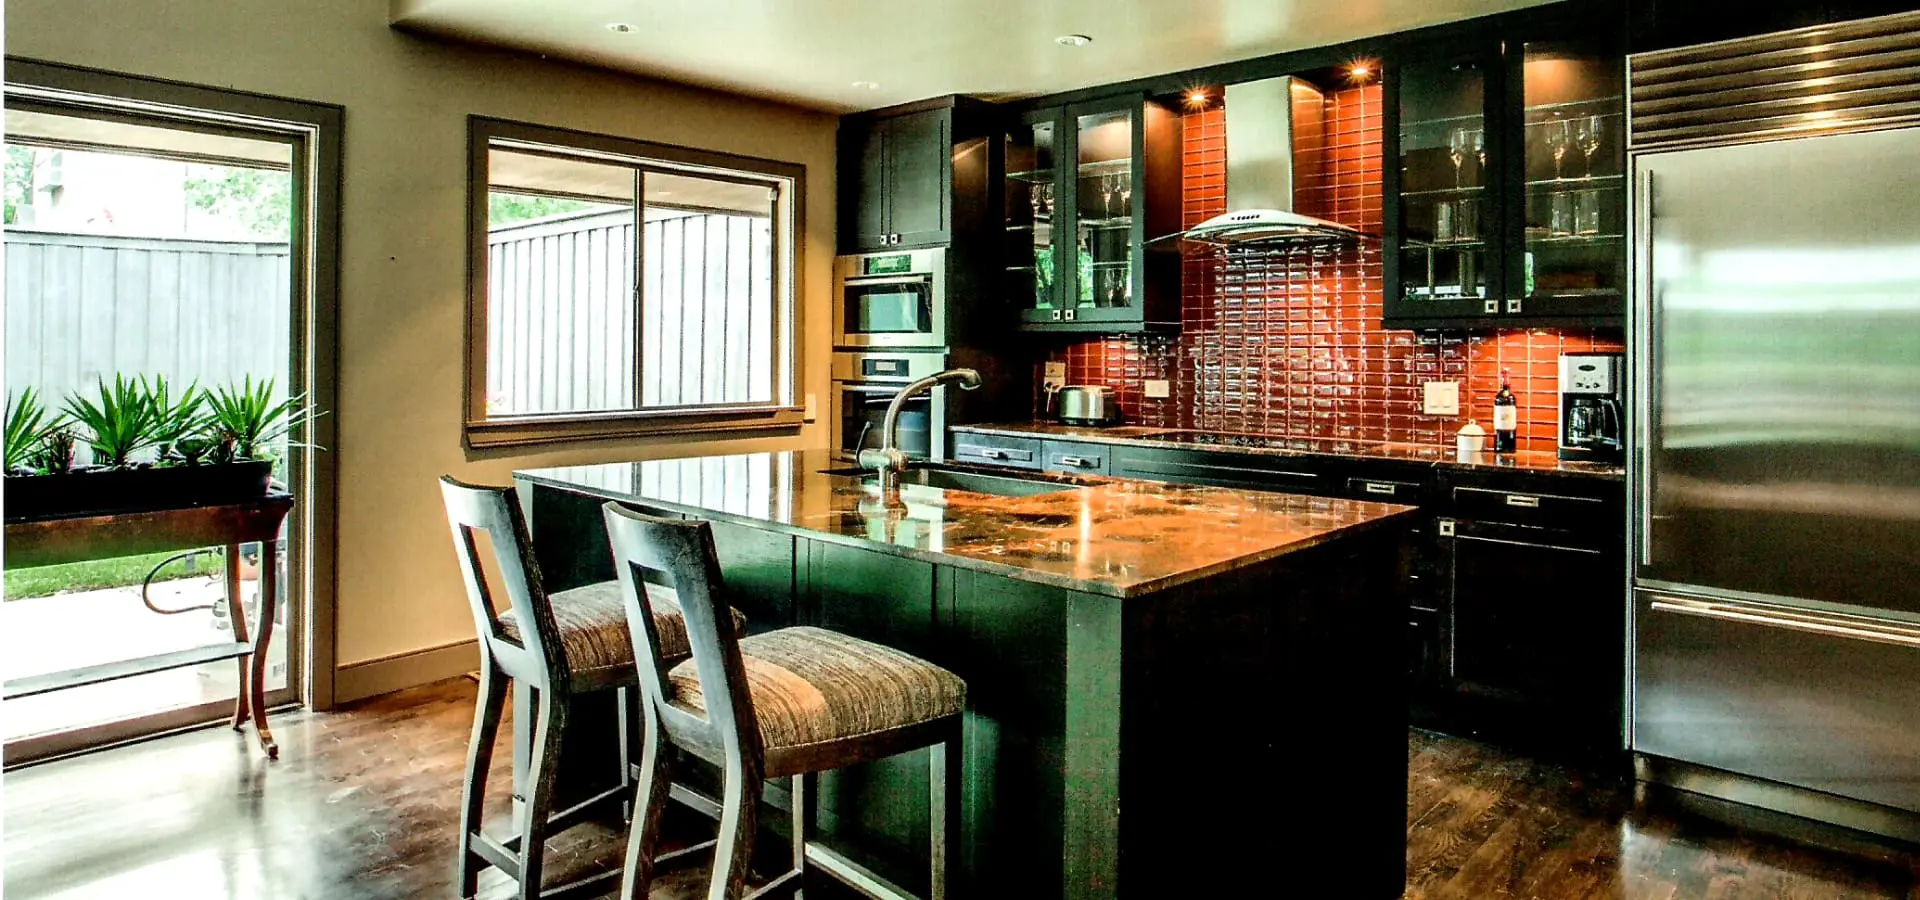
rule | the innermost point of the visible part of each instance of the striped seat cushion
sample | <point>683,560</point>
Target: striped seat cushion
<point>593,625</point>
<point>812,686</point>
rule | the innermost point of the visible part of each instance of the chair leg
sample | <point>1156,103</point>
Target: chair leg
<point>802,829</point>
<point>943,812</point>
<point>650,801</point>
<point>541,775</point>
<point>487,711</point>
<point>740,814</point>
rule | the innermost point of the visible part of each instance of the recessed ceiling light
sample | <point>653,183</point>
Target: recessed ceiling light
<point>1073,40</point>
<point>619,27</point>
<point>867,85</point>
<point>1197,97</point>
<point>1360,70</point>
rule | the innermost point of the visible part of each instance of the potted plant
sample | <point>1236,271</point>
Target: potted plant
<point>151,449</point>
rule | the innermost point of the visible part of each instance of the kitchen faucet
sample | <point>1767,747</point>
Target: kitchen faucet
<point>888,462</point>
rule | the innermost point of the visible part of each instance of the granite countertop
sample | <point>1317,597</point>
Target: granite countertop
<point>1141,436</point>
<point>1121,538</point>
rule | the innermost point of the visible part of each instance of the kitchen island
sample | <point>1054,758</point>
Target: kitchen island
<point>1189,690</point>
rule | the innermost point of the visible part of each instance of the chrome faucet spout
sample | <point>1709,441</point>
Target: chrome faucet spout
<point>888,461</point>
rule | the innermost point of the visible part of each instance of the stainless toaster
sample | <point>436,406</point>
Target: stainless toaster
<point>1086,404</point>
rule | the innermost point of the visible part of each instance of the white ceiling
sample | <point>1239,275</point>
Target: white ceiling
<point>810,52</point>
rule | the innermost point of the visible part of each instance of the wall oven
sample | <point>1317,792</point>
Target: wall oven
<point>891,299</point>
<point>863,385</point>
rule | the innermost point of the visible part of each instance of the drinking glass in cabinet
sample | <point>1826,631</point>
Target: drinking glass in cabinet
<point>1588,134</point>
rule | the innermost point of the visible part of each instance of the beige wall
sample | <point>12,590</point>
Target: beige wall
<point>403,250</point>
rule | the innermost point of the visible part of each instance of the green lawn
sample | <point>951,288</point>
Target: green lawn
<point>91,575</point>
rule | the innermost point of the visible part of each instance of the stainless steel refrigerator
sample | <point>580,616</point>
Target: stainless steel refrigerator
<point>1775,464</point>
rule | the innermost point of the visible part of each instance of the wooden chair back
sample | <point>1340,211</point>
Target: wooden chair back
<point>539,657</point>
<point>680,555</point>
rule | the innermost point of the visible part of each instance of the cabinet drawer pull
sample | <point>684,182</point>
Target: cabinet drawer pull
<point>993,454</point>
<point>1525,500</point>
<point>1079,462</point>
<point>1375,487</point>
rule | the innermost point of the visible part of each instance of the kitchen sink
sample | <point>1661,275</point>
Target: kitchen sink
<point>959,480</point>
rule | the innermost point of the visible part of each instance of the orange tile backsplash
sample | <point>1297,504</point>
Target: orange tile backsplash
<point>1288,341</point>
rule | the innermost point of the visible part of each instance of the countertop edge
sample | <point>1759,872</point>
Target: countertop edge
<point>1118,592</point>
<point>1129,435</point>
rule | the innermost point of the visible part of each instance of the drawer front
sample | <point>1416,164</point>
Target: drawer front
<point>1286,474</point>
<point>1537,509</point>
<point>1383,490</point>
<point>997,450</point>
<point>1068,456</point>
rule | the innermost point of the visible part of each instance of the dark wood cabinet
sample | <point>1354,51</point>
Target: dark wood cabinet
<point>1320,476</point>
<point>1085,188</point>
<point>1529,618</point>
<point>896,180</point>
<point>1505,184</point>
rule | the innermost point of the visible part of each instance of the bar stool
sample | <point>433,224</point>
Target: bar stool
<point>554,646</point>
<point>787,703</point>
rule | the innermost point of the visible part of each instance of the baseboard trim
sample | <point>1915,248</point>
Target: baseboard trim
<point>374,677</point>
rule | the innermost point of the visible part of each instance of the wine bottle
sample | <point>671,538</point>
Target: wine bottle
<point>1506,418</point>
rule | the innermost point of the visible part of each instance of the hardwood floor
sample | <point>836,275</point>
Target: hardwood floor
<point>362,804</point>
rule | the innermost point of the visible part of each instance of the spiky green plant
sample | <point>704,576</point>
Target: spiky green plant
<point>250,419</point>
<point>175,421</point>
<point>28,424</point>
<point>122,423</point>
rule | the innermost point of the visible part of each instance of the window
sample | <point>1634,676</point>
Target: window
<point>622,288</point>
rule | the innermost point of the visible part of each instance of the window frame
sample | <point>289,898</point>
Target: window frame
<point>482,430</point>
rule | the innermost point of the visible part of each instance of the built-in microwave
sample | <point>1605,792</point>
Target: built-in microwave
<point>891,299</point>
<point>865,383</point>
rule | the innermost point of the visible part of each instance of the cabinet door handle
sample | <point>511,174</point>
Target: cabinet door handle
<point>1524,500</point>
<point>1444,528</point>
<point>1491,306</point>
<point>1079,462</point>
<point>1056,315</point>
<point>1377,487</point>
<point>1069,315</point>
<point>1513,306</point>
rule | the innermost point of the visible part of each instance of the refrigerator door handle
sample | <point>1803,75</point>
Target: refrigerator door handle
<point>1643,312</point>
<point>1851,627</point>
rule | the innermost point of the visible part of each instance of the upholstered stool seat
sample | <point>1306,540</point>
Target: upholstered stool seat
<point>593,626</point>
<point>811,686</point>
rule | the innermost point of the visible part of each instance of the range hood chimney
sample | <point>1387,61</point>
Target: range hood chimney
<point>1262,129</point>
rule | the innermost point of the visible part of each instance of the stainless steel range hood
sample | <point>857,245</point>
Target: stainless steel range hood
<point>1261,131</point>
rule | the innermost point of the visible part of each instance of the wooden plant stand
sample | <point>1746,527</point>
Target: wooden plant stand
<point>46,542</point>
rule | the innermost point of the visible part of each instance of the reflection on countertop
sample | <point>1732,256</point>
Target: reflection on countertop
<point>1266,445</point>
<point>1116,537</point>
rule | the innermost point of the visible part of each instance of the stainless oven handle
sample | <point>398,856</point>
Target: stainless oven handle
<point>888,279</point>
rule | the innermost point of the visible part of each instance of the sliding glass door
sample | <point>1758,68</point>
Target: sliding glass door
<point>158,245</point>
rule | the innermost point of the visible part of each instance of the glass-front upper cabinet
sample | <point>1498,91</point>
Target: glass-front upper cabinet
<point>1032,199</point>
<point>1086,187</point>
<point>1573,131</point>
<point>1508,206</point>
<point>1449,187</point>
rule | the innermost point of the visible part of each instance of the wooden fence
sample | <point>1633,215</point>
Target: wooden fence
<point>80,308</point>
<point>563,332</point>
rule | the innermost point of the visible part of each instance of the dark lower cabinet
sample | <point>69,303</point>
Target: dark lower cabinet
<point>1528,622</point>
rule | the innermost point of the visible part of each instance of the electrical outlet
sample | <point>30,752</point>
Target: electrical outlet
<point>1442,398</point>
<point>1056,375</point>
<point>1157,389</point>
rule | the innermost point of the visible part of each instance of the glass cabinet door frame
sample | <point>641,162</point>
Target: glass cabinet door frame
<point>1517,302</point>
<point>1133,108</point>
<point>1062,145</point>
<point>1399,311</point>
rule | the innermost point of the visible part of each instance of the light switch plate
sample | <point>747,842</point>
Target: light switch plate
<point>1442,398</point>
<point>1157,388</point>
<point>1056,375</point>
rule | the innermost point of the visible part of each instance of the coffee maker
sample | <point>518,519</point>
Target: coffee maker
<point>1592,427</point>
